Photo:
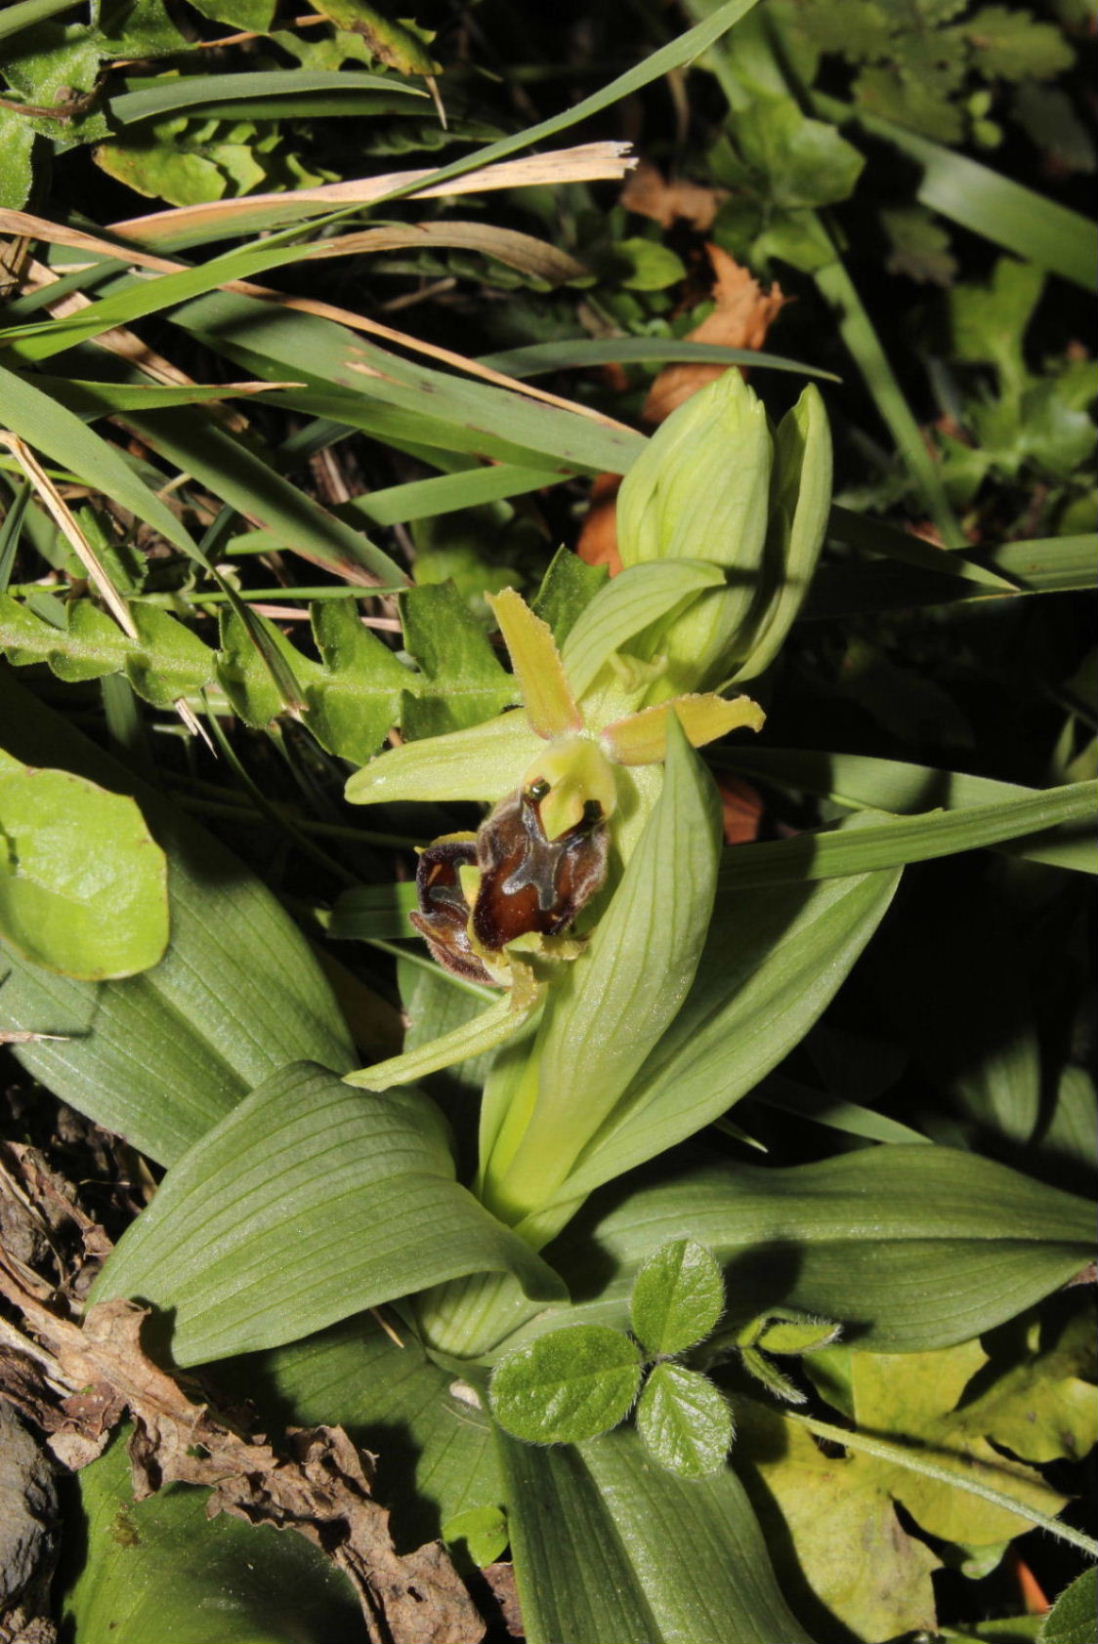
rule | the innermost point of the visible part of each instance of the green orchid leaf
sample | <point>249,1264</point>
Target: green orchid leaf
<point>861,782</point>
<point>162,1056</point>
<point>685,1421</point>
<point>617,999</point>
<point>570,1385</point>
<point>354,704</point>
<point>162,1568</point>
<point>431,1433</point>
<point>484,762</point>
<point>606,1547</point>
<point>771,963</point>
<point>308,1202</point>
<point>800,504</point>
<point>83,883</point>
<point>627,605</point>
<point>678,1297</point>
<point>913,1248</point>
<point>1071,1619</point>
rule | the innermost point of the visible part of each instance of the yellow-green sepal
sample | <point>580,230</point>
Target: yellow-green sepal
<point>479,763</point>
<point>497,1025</point>
<point>547,698</point>
<point>642,738</point>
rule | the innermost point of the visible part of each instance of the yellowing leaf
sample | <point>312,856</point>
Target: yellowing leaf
<point>913,1398</point>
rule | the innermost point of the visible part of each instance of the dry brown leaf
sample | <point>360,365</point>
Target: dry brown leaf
<point>742,807</point>
<point>598,540</point>
<point>585,163</point>
<point>650,194</point>
<point>316,1483</point>
<point>742,317</point>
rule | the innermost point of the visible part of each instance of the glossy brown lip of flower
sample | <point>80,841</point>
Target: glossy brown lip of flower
<point>529,882</point>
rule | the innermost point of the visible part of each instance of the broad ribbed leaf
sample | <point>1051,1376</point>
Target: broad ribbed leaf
<point>611,1549</point>
<point>433,1439</point>
<point>162,1056</point>
<point>162,1569</point>
<point>772,962</point>
<point>910,1248</point>
<point>309,1202</point>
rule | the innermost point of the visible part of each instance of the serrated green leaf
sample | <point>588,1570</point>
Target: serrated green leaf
<point>163,1568</point>
<point>1013,45</point>
<point>165,662</point>
<point>685,1421</point>
<point>678,1297</point>
<point>567,588</point>
<point>567,1386</point>
<point>352,710</point>
<point>83,884</point>
<point>308,1202</point>
<point>467,683</point>
<point>1071,1619</point>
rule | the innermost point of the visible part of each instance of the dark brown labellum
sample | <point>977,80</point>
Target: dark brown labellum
<point>527,882</point>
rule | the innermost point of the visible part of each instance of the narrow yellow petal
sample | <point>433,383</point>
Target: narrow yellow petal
<point>546,695</point>
<point>642,738</point>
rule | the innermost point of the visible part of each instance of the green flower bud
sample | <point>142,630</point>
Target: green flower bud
<point>715,485</point>
<point>701,491</point>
